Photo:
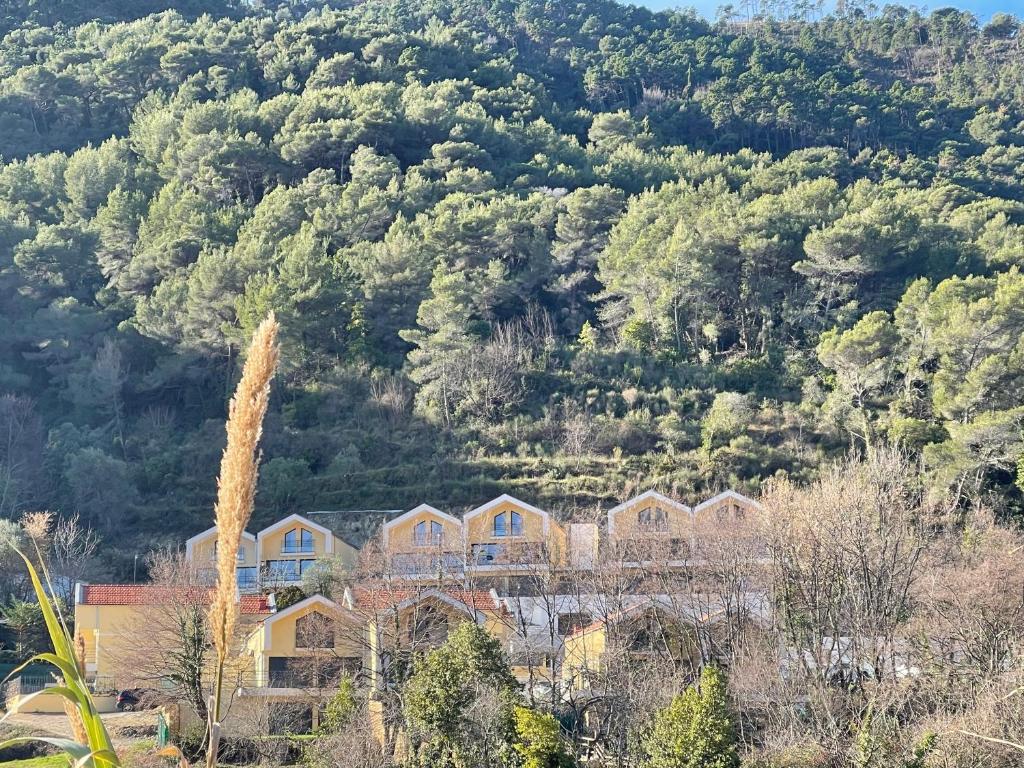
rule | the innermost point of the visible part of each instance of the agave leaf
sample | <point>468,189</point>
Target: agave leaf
<point>69,671</point>
<point>72,747</point>
<point>58,632</point>
<point>65,658</point>
<point>99,754</point>
<point>59,690</point>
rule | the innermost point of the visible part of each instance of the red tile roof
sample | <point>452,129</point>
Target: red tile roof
<point>150,594</point>
<point>370,598</point>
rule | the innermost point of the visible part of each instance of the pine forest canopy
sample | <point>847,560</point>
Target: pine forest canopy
<point>554,248</point>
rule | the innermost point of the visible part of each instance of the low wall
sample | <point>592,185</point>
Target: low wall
<point>51,704</point>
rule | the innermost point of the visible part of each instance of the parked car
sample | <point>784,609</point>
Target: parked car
<point>134,699</point>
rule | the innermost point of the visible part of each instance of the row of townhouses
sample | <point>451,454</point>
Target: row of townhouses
<point>502,565</point>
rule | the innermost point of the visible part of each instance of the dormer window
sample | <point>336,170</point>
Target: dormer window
<point>728,512</point>
<point>427,532</point>
<point>652,519</point>
<point>508,524</point>
<point>297,540</point>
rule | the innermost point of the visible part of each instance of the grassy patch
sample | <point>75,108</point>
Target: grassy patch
<point>47,761</point>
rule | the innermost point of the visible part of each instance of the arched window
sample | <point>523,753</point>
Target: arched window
<point>298,540</point>
<point>427,532</point>
<point>652,518</point>
<point>508,524</point>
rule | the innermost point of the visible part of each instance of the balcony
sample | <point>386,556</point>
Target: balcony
<point>283,572</point>
<point>428,540</point>
<point>510,554</point>
<point>298,549</point>
<point>428,564</point>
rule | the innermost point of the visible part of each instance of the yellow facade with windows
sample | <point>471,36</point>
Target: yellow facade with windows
<point>510,535</point>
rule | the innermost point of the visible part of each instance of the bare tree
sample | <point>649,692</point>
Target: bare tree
<point>172,652</point>
<point>72,548</point>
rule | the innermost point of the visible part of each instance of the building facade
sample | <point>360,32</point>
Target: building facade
<point>559,595</point>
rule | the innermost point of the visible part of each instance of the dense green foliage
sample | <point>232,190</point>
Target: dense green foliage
<point>695,730</point>
<point>546,248</point>
<point>539,742</point>
<point>460,702</point>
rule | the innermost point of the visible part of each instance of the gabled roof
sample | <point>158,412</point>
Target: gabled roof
<point>391,598</point>
<point>415,512</point>
<point>154,594</point>
<point>191,542</point>
<point>724,496</point>
<point>328,606</point>
<point>651,495</point>
<point>507,499</point>
<point>299,520</point>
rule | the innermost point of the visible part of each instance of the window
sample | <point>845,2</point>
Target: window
<point>508,524</point>
<point>429,625</point>
<point>652,518</point>
<point>487,554</point>
<point>427,532</point>
<point>246,577</point>
<point>283,570</point>
<point>240,556</point>
<point>297,540</point>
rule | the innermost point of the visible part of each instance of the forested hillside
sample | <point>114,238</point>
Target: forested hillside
<point>556,249</point>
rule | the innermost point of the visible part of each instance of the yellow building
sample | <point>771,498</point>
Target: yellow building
<point>438,569</point>
<point>289,547</point>
<point>277,556</point>
<point>297,657</point>
<point>201,551</point>
<point>402,621</point>
<point>726,507</point>
<point>638,637</point>
<point>123,627</point>
<point>508,535</point>
<point>424,543</point>
<point>650,527</point>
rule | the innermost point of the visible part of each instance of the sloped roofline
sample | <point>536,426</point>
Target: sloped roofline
<point>414,512</point>
<point>729,494</point>
<point>428,594</point>
<point>652,495</point>
<point>299,519</point>
<point>319,600</point>
<point>507,499</point>
<point>193,540</point>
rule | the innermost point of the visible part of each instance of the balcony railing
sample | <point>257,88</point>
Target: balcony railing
<point>428,540</point>
<point>445,563</point>
<point>517,553</point>
<point>297,549</point>
<point>291,679</point>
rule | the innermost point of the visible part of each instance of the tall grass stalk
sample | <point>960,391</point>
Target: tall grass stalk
<point>236,491</point>
<point>91,746</point>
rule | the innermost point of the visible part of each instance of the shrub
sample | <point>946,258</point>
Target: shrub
<point>539,742</point>
<point>696,729</point>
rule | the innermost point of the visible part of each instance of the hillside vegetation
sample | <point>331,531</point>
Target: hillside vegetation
<point>556,249</point>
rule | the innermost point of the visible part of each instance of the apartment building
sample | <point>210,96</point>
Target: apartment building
<point>536,583</point>
<point>276,556</point>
